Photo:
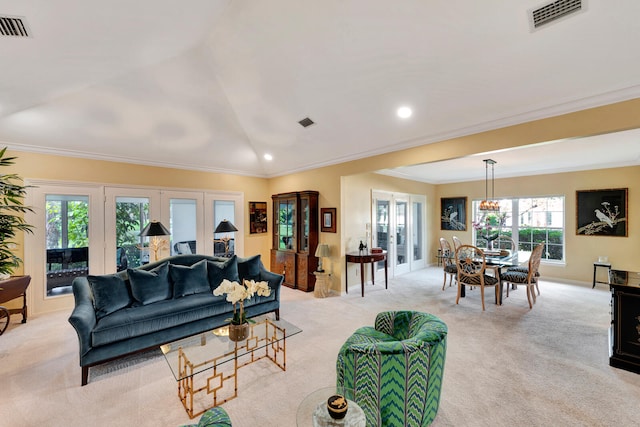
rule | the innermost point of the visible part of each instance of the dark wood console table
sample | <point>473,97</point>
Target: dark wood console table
<point>363,258</point>
<point>624,351</point>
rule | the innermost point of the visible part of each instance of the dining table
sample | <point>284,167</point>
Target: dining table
<point>495,260</point>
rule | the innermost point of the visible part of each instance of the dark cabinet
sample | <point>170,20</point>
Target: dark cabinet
<point>625,320</point>
<point>295,238</point>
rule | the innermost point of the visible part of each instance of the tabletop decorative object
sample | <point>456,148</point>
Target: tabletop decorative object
<point>337,406</point>
<point>236,295</point>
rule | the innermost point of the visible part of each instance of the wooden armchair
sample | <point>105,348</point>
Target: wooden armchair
<point>471,271</point>
<point>528,278</point>
<point>448,263</point>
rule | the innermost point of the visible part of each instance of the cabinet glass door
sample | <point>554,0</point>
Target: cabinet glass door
<point>286,224</point>
<point>304,241</point>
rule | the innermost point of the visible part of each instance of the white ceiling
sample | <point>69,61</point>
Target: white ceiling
<point>215,84</point>
<point>597,152</point>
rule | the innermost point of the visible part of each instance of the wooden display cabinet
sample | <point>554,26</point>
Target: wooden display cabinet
<point>295,238</point>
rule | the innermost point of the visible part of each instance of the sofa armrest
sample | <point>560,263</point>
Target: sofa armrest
<point>273,279</point>
<point>83,316</point>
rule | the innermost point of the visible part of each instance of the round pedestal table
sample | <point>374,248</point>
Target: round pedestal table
<point>312,411</point>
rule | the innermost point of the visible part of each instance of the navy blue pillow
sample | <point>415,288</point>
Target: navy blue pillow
<point>150,286</point>
<point>110,293</point>
<point>249,268</point>
<point>218,271</point>
<point>189,280</point>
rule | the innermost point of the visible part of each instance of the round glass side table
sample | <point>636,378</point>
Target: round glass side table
<point>312,411</point>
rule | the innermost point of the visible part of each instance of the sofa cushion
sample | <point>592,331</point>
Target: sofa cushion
<point>189,280</point>
<point>249,268</point>
<point>110,294</point>
<point>137,321</point>
<point>220,270</point>
<point>150,286</point>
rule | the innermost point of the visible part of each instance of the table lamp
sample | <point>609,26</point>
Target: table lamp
<point>322,251</point>
<point>153,230</point>
<point>225,227</point>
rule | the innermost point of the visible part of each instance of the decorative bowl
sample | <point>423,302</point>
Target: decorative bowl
<point>337,406</point>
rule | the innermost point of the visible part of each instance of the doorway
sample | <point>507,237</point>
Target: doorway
<point>399,228</point>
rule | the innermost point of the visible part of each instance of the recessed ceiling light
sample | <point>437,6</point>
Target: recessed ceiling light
<point>268,157</point>
<point>404,112</point>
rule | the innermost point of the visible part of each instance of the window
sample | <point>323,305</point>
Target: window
<point>66,241</point>
<point>528,221</point>
<point>131,215</point>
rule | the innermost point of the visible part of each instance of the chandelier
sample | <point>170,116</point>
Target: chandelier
<point>489,205</point>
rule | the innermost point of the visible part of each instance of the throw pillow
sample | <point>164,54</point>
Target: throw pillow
<point>150,286</point>
<point>189,280</point>
<point>184,248</point>
<point>218,271</point>
<point>249,268</point>
<point>110,293</point>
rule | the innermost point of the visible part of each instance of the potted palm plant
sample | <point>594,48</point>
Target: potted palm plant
<point>12,210</point>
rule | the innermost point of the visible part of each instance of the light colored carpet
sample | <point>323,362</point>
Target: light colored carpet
<point>508,366</point>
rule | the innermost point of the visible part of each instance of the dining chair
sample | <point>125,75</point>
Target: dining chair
<point>471,266</point>
<point>505,242</point>
<point>529,279</point>
<point>456,243</point>
<point>525,269</point>
<point>448,263</point>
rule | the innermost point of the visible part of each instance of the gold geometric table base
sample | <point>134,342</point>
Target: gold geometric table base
<point>216,377</point>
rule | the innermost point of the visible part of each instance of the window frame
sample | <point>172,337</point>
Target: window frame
<point>514,227</point>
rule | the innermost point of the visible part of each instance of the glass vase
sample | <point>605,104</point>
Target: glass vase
<point>238,332</point>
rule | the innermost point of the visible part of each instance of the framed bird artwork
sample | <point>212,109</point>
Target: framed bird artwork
<point>602,212</point>
<point>453,213</point>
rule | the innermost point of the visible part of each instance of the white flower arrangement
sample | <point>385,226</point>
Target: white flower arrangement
<point>237,294</point>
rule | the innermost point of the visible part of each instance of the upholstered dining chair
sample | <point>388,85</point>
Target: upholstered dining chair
<point>528,278</point>
<point>525,269</point>
<point>448,262</point>
<point>471,271</point>
<point>394,370</point>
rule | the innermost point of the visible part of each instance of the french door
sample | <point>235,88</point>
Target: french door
<point>399,228</point>
<point>86,229</point>
<point>68,240</point>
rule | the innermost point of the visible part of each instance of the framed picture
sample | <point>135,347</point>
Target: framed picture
<point>257,217</point>
<point>602,212</point>
<point>328,220</point>
<point>453,213</point>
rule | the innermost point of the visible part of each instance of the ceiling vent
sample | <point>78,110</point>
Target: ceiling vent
<point>553,11</point>
<point>306,122</point>
<point>13,26</point>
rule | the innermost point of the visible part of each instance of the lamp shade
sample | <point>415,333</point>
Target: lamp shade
<point>322,250</point>
<point>154,228</point>
<point>225,227</point>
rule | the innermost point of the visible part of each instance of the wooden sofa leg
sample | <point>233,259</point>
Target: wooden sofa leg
<point>85,375</point>
<point>277,311</point>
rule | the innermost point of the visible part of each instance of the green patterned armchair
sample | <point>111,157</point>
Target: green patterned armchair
<point>394,371</point>
<point>214,417</point>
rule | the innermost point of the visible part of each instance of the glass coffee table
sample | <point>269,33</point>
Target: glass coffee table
<point>206,365</point>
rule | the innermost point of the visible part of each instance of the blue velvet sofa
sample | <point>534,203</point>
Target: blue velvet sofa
<point>138,309</point>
